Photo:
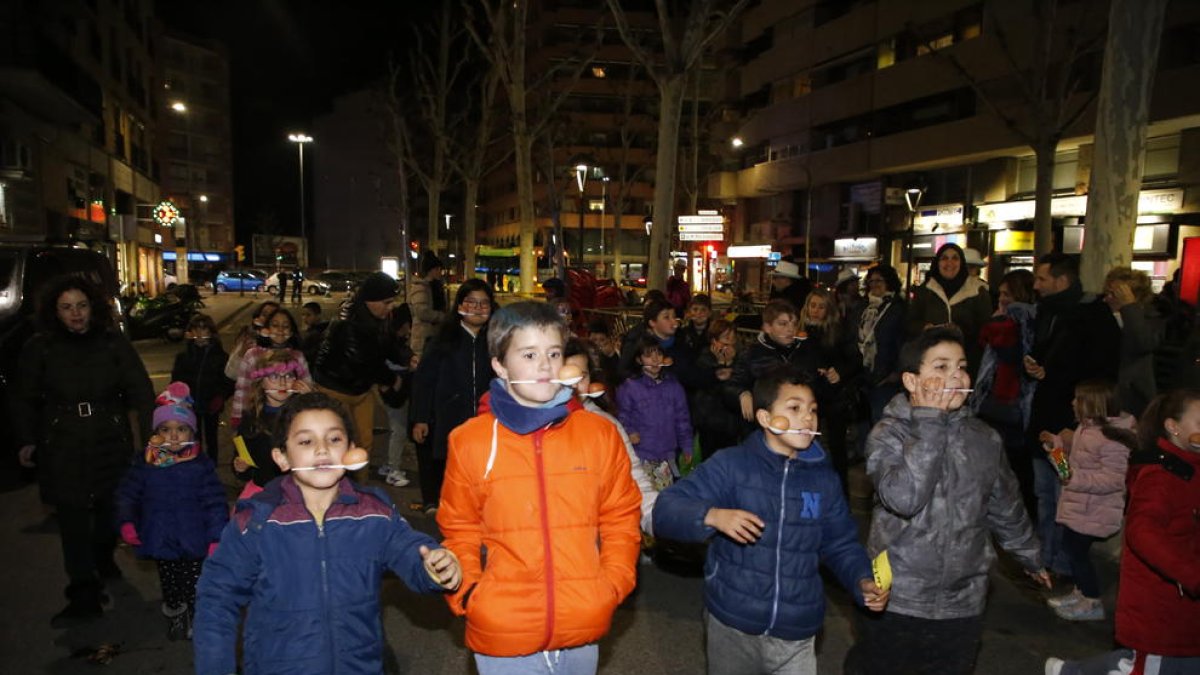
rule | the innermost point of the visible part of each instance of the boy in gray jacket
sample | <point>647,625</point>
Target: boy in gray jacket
<point>943,484</point>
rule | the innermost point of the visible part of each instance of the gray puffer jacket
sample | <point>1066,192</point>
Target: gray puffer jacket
<point>942,483</point>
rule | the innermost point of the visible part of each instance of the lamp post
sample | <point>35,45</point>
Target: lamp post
<point>581,172</point>
<point>300,140</point>
<point>603,203</point>
<point>449,246</point>
<point>912,197</point>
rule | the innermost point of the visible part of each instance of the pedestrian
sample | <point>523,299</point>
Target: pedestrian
<point>950,295</point>
<point>837,363</point>
<point>395,398</point>
<point>305,558</point>
<point>1158,594</point>
<point>659,322</point>
<point>312,330</point>
<point>248,336</point>
<point>694,333</point>
<point>653,408</point>
<point>1128,294</point>
<point>787,283</point>
<point>281,278</point>
<point>1093,494</point>
<point>427,298</point>
<point>943,491</point>
<point>533,445</point>
<point>678,292</point>
<point>274,378</point>
<point>282,334</point>
<point>352,358</point>
<point>881,330</point>
<point>1075,339</point>
<point>850,302</point>
<point>603,348</point>
<point>716,413</point>
<point>778,343</point>
<point>78,380</point>
<point>171,507</point>
<point>451,377</point>
<point>297,285</point>
<point>773,512</point>
<point>201,366</point>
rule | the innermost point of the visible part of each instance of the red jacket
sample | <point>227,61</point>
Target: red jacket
<point>1158,601</point>
<point>557,512</point>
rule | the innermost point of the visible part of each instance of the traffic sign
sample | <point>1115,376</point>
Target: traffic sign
<point>705,227</point>
<point>699,220</point>
<point>701,236</point>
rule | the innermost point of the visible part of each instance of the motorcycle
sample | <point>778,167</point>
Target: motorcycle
<point>165,316</point>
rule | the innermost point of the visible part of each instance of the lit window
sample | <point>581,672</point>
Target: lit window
<point>599,72</point>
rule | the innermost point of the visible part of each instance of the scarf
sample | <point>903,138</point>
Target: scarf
<point>866,329</point>
<point>524,419</point>
<point>160,457</point>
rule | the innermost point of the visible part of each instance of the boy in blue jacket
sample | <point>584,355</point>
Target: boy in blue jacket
<point>779,507</point>
<point>306,556</point>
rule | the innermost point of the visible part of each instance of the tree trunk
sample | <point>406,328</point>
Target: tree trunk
<point>1122,111</point>
<point>470,197</point>
<point>670,109</point>
<point>433,195</point>
<point>1043,235</point>
<point>523,147</point>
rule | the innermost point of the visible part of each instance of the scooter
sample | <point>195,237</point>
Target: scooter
<point>165,316</point>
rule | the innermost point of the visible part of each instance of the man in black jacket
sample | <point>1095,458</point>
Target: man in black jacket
<point>1076,338</point>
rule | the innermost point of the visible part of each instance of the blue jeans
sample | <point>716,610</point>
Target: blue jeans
<point>573,661</point>
<point>1047,488</point>
<point>398,436</point>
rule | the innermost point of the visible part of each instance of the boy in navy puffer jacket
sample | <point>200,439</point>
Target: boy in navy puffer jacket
<point>171,507</point>
<point>779,506</point>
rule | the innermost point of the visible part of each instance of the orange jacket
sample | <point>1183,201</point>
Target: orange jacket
<point>557,513</point>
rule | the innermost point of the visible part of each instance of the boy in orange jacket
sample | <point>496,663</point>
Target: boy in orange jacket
<point>548,494</point>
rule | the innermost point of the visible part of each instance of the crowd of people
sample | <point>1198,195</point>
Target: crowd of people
<point>1042,422</point>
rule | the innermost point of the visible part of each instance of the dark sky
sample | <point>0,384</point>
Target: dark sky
<point>288,60</point>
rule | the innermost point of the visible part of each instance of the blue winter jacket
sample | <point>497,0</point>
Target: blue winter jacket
<point>657,411</point>
<point>772,587</point>
<point>177,510</point>
<point>312,590</point>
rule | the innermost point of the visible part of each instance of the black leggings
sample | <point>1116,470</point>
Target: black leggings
<point>178,580</point>
<point>88,540</point>
<point>906,645</point>
<point>430,473</point>
<point>1076,547</point>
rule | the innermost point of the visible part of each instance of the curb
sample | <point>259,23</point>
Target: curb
<point>229,318</point>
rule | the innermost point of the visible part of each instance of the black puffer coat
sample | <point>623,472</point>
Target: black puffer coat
<point>72,400</point>
<point>454,372</point>
<point>352,355</point>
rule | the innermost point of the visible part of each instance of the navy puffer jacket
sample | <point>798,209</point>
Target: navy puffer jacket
<point>178,510</point>
<point>772,587</point>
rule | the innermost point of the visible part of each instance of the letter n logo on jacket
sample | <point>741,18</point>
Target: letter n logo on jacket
<point>812,505</point>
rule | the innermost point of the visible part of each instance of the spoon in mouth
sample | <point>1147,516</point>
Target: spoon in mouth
<point>349,467</point>
<point>780,425</point>
<point>169,446</point>
<point>958,389</point>
<point>1194,441</point>
<point>568,376</point>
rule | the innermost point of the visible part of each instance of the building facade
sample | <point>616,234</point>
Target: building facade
<point>198,148</point>
<point>841,108</point>
<point>79,130</point>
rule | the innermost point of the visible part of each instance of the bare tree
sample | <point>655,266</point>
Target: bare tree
<point>633,133</point>
<point>502,39</point>
<point>1127,79</point>
<point>1049,84</point>
<point>688,28</point>
<point>396,133</point>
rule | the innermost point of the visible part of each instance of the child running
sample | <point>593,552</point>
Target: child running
<point>1093,494</point>
<point>547,494</point>
<point>306,557</point>
<point>653,408</point>
<point>1158,597</point>
<point>171,507</point>
<point>942,486</point>
<point>778,506</point>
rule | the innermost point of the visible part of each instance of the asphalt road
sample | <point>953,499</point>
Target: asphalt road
<point>657,630</point>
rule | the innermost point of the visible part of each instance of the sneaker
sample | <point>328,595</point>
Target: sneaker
<point>177,622</point>
<point>431,509</point>
<point>385,470</point>
<point>1064,600</point>
<point>397,478</point>
<point>1087,609</point>
<point>1054,665</point>
<point>77,612</point>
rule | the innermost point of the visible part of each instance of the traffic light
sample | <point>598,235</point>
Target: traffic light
<point>414,245</point>
<point>240,251</point>
<point>710,251</point>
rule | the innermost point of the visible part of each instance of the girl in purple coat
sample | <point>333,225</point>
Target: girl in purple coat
<point>653,408</point>
<point>171,507</point>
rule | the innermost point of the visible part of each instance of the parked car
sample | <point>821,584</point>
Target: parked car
<point>340,281</point>
<point>24,270</point>
<point>311,286</point>
<point>238,280</point>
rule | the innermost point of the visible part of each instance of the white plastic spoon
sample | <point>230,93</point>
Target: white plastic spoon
<point>780,425</point>
<point>349,467</point>
<point>568,382</point>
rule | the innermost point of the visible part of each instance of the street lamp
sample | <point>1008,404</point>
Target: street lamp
<point>300,140</point>
<point>737,142</point>
<point>616,232</point>
<point>449,246</point>
<point>912,197</point>
<point>581,172</point>
<point>179,106</point>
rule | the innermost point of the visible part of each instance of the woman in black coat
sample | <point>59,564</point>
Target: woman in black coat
<point>952,296</point>
<point>79,378</point>
<point>453,374</point>
<point>881,332</point>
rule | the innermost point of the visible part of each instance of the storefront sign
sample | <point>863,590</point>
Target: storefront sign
<point>701,236</point>
<point>701,220</point>
<point>1008,241</point>
<point>760,251</point>
<point>946,217</point>
<point>861,247</point>
<point>1147,239</point>
<point>703,227</point>
<point>1149,201</point>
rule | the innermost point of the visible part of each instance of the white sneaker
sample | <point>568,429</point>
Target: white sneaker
<point>1087,609</point>
<point>385,470</point>
<point>396,478</point>
<point>1064,600</point>
<point>1054,665</point>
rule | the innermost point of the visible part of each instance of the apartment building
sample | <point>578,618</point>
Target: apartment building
<point>842,107</point>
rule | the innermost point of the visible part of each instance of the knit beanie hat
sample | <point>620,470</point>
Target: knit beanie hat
<point>378,286</point>
<point>175,403</point>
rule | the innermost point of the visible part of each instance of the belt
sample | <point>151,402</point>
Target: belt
<point>86,408</point>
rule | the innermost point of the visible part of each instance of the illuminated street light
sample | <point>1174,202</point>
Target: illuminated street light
<point>737,142</point>
<point>912,197</point>
<point>204,198</point>
<point>301,140</point>
<point>179,106</point>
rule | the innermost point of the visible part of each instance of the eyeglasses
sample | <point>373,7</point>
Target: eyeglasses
<point>472,302</point>
<point>286,377</point>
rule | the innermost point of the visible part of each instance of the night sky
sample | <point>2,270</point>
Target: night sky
<point>288,61</point>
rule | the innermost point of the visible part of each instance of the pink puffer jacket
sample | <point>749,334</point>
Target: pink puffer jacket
<point>1093,500</point>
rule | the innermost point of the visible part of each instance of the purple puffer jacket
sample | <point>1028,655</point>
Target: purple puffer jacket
<point>656,410</point>
<point>1093,500</point>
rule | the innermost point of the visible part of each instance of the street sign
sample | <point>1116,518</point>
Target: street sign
<point>705,227</point>
<point>700,220</point>
<point>701,236</point>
